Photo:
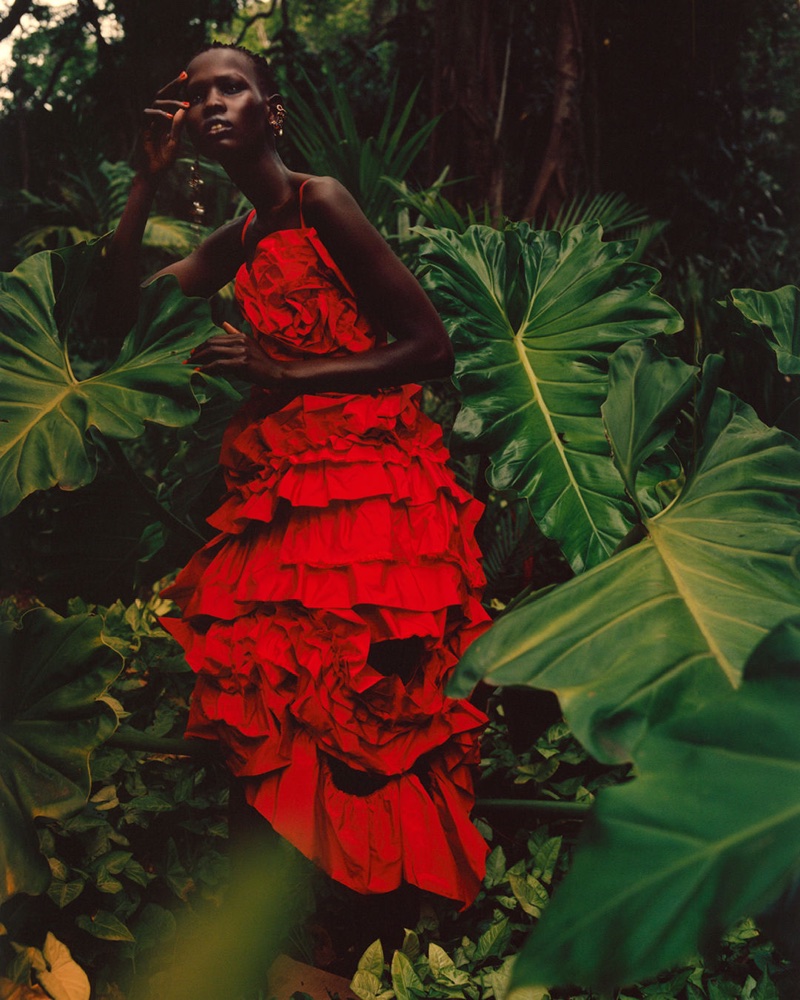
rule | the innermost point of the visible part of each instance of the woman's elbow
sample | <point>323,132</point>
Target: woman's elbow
<point>441,359</point>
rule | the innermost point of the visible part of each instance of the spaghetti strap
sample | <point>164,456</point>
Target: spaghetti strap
<point>300,201</point>
<point>247,222</point>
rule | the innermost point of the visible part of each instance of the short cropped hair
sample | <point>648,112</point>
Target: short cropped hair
<point>262,68</point>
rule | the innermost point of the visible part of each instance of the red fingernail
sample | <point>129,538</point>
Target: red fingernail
<point>185,104</point>
<point>196,369</point>
<point>183,75</point>
<point>169,115</point>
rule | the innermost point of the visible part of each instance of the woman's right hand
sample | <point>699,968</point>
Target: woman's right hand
<point>162,131</point>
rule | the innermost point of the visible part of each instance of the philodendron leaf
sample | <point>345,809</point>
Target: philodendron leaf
<point>534,317</point>
<point>46,414</point>
<point>707,833</point>
<point>777,314</point>
<point>646,392</point>
<point>52,672</point>
<point>669,623</point>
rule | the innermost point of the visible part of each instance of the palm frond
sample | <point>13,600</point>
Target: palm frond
<point>327,137</point>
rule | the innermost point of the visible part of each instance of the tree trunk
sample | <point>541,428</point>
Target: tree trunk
<point>564,153</point>
<point>466,92</point>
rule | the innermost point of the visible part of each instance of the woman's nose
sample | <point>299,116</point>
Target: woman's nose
<point>213,101</point>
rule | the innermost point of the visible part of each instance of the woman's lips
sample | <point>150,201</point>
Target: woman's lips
<point>216,128</point>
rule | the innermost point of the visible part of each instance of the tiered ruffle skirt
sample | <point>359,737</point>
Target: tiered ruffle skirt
<point>342,528</point>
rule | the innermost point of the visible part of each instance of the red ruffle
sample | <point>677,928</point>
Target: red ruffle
<point>342,527</point>
<point>299,299</point>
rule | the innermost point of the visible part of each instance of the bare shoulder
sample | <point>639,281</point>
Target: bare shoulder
<point>327,203</point>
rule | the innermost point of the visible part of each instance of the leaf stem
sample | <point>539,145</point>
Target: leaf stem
<point>537,807</point>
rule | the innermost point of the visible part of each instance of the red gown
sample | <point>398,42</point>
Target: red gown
<point>342,527</point>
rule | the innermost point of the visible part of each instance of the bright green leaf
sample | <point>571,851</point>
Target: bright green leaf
<point>52,671</point>
<point>667,624</point>
<point>63,978</point>
<point>534,317</point>
<point>372,960</point>
<point>495,868</point>
<point>493,940</point>
<point>405,981</point>
<point>707,833</point>
<point>438,959</point>
<point>530,893</point>
<point>365,984</point>
<point>49,415</point>
<point>545,858</point>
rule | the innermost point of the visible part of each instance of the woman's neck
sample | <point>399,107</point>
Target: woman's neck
<point>265,181</point>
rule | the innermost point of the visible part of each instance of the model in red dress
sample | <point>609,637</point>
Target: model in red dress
<point>324,618</point>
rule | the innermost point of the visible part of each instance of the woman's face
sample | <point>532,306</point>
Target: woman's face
<point>227,110</point>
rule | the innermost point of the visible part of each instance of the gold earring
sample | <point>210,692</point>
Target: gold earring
<point>280,117</point>
<point>196,185</point>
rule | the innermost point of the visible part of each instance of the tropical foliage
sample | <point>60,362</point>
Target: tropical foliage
<point>670,642</point>
<point>646,647</point>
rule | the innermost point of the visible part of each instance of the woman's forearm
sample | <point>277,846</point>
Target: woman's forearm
<point>118,295</point>
<point>394,364</point>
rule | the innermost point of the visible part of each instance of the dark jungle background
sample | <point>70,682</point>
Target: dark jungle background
<point>676,123</point>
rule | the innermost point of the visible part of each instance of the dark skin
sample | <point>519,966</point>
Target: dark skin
<point>230,119</point>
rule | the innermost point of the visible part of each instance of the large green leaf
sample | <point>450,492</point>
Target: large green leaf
<point>708,833</point>
<point>646,392</point>
<point>47,416</point>
<point>667,624</point>
<point>534,317</point>
<point>52,671</point>
<point>777,315</point>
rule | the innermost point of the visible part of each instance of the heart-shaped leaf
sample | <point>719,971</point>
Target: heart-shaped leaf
<point>52,672</point>
<point>46,414</point>
<point>706,834</point>
<point>669,623</point>
<point>534,317</point>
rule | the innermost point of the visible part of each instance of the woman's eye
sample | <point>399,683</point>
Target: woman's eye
<point>232,88</point>
<point>194,98</point>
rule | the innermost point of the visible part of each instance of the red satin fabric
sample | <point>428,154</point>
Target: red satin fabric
<point>342,527</point>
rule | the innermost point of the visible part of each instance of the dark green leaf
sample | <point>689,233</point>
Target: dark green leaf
<point>52,671</point>
<point>48,415</point>
<point>777,314</point>
<point>707,833</point>
<point>534,317</point>
<point>104,925</point>
<point>646,392</point>
<point>668,624</point>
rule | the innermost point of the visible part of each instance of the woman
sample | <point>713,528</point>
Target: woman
<point>325,617</point>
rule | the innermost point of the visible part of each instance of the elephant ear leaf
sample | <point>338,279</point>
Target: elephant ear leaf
<point>47,416</point>
<point>646,392</point>
<point>534,317</point>
<point>707,833</point>
<point>52,672</point>
<point>777,315</point>
<point>670,622</point>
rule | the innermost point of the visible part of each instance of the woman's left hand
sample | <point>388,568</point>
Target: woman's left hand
<point>234,354</point>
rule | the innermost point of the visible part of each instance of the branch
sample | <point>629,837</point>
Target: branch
<point>18,10</point>
<point>564,129</point>
<point>256,17</point>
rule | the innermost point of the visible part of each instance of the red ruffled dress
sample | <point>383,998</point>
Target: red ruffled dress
<point>342,528</point>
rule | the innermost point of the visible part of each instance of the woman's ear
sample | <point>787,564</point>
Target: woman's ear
<point>276,114</point>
